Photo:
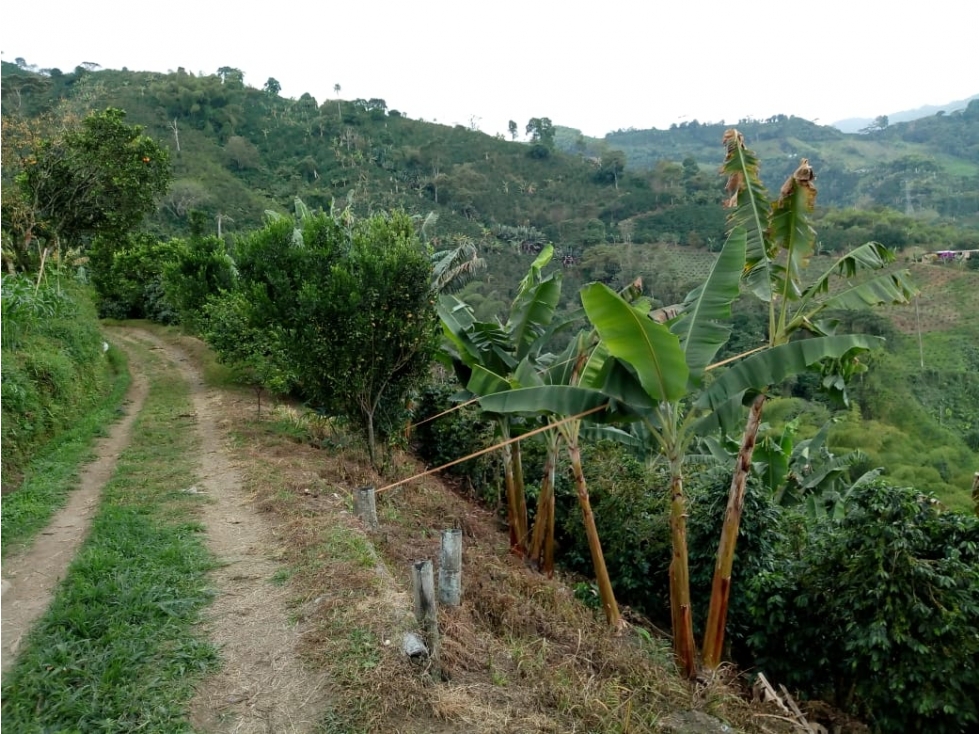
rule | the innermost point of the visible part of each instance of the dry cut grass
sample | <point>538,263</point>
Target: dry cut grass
<point>520,654</point>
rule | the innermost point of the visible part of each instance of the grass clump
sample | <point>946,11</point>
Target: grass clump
<point>117,651</point>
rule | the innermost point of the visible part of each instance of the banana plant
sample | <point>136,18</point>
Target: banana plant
<point>646,365</point>
<point>565,394</point>
<point>669,362</point>
<point>780,242</point>
<point>485,356</point>
<point>803,474</point>
<point>452,268</point>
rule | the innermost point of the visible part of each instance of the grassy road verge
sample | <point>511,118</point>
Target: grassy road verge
<point>54,472</point>
<point>118,651</point>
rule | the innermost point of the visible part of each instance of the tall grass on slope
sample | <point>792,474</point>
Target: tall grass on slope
<point>54,370</point>
<point>119,650</point>
<point>53,472</point>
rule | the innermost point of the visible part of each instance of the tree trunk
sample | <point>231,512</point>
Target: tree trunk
<point>523,534</point>
<point>720,592</point>
<point>684,646</point>
<point>371,445</point>
<point>542,538</point>
<point>518,528</point>
<point>594,544</point>
<point>511,512</point>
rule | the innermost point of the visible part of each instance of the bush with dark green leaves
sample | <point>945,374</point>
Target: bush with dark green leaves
<point>128,276</point>
<point>255,352</point>
<point>762,541</point>
<point>200,269</point>
<point>631,508</point>
<point>879,613</point>
<point>455,434</point>
<point>353,303</point>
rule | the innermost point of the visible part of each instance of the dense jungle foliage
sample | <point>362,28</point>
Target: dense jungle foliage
<point>323,250</point>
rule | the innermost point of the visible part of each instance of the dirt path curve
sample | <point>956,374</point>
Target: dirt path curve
<point>30,578</point>
<point>262,686</point>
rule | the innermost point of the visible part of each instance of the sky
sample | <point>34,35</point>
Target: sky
<point>596,66</point>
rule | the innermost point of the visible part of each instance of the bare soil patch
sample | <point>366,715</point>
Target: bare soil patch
<point>262,685</point>
<point>30,577</point>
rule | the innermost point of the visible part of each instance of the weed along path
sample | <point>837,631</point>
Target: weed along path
<point>261,685</point>
<point>30,577</point>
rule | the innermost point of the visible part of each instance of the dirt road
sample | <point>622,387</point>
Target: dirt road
<point>262,685</point>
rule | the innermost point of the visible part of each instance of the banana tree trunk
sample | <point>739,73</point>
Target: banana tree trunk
<point>518,532</point>
<point>605,593</point>
<point>542,538</point>
<point>720,592</point>
<point>520,497</point>
<point>684,646</point>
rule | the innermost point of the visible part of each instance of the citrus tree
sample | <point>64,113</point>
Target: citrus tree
<point>98,177</point>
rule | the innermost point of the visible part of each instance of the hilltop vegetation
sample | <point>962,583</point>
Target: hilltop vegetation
<point>926,166</point>
<point>238,150</point>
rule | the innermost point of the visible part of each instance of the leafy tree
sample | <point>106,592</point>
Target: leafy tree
<point>353,305</point>
<point>241,152</point>
<point>255,352</point>
<point>128,276</point>
<point>512,127</point>
<point>99,178</point>
<point>232,76</point>
<point>611,167</point>
<point>880,123</point>
<point>200,269</point>
<point>272,87</point>
<point>541,132</point>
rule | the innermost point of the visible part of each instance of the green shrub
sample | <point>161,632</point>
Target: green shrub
<point>353,305</point>
<point>199,270</point>
<point>128,278</point>
<point>462,432</point>
<point>255,353</point>
<point>762,538</point>
<point>880,613</point>
<point>631,508</point>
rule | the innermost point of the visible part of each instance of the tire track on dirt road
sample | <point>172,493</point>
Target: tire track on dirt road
<point>31,577</point>
<point>262,685</point>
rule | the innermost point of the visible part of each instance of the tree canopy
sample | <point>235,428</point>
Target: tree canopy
<point>100,177</point>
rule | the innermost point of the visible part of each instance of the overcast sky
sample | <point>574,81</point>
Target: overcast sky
<point>596,66</point>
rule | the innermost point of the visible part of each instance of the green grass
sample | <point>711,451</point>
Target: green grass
<point>51,475</point>
<point>119,649</point>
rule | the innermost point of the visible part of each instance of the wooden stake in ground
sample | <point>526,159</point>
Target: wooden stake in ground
<point>366,506</point>
<point>450,568</point>
<point>426,609</point>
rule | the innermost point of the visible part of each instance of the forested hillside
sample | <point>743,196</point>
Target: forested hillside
<point>238,150</point>
<point>638,203</point>
<point>926,166</point>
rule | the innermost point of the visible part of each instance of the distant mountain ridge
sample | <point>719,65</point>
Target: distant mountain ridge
<point>856,124</point>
